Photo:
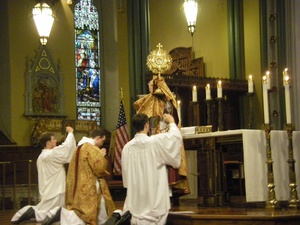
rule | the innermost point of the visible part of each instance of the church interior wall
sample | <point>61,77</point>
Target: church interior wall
<point>210,40</point>
<point>5,80</point>
<point>252,55</point>
<point>19,40</point>
<point>168,26</point>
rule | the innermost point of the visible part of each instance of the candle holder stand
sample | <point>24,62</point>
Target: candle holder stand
<point>271,201</point>
<point>293,201</point>
<point>220,114</point>
<point>194,114</point>
<point>208,113</point>
<point>251,114</point>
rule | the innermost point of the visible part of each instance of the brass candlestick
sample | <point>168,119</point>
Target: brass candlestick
<point>271,201</point>
<point>293,201</point>
<point>220,114</point>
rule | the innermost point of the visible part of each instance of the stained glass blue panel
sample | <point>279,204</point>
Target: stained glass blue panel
<point>88,94</point>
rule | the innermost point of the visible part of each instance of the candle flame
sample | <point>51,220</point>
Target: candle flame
<point>286,79</point>
<point>207,86</point>
<point>250,77</point>
<point>264,78</point>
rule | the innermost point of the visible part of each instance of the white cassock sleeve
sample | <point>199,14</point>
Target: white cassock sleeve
<point>168,146</point>
<point>64,152</point>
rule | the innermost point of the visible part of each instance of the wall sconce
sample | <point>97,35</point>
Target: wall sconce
<point>43,18</point>
<point>190,11</point>
<point>69,2</point>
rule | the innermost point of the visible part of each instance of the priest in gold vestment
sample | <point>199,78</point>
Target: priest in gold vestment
<point>88,198</point>
<point>161,100</point>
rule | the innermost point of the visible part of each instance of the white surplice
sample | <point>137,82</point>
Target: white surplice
<point>51,179</point>
<point>144,173</point>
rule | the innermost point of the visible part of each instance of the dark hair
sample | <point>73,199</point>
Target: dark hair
<point>138,121</point>
<point>97,132</point>
<point>44,137</point>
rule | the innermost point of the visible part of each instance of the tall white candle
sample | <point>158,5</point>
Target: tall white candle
<point>268,80</point>
<point>265,100</point>
<point>219,89</point>
<point>250,84</point>
<point>207,92</point>
<point>179,110</point>
<point>194,94</point>
<point>287,99</point>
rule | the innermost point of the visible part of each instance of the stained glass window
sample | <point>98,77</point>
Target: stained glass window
<point>88,93</point>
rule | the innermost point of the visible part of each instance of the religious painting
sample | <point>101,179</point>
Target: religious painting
<point>44,87</point>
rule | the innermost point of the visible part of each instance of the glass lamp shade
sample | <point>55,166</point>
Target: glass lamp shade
<point>43,18</point>
<point>190,11</point>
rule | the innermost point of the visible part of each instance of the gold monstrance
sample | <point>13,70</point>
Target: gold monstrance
<point>159,61</point>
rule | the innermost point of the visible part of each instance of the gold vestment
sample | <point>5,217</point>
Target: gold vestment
<point>82,196</point>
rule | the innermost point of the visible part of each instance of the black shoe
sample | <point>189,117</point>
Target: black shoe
<point>125,219</point>
<point>53,219</point>
<point>113,219</point>
<point>29,214</point>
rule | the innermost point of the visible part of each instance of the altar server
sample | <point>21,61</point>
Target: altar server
<point>158,101</point>
<point>51,179</point>
<point>144,170</point>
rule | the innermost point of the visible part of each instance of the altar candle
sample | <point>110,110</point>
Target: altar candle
<point>179,110</point>
<point>268,80</point>
<point>265,100</point>
<point>284,73</point>
<point>287,98</point>
<point>250,84</point>
<point>207,92</point>
<point>194,94</point>
<point>219,89</point>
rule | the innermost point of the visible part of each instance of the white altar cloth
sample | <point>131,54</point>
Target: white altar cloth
<point>254,145</point>
<point>255,166</point>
